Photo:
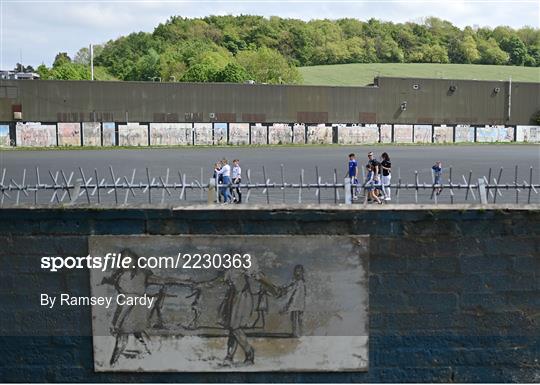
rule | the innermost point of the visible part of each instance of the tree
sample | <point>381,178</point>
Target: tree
<point>43,72</point>
<point>464,50</point>
<point>232,73</point>
<point>515,48</point>
<point>266,65</point>
<point>491,53</point>
<point>200,73</point>
<point>60,59</point>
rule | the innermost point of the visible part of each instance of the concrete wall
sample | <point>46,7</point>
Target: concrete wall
<point>429,101</point>
<point>454,292</point>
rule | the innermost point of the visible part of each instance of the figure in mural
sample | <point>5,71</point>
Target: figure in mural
<point>133,319</point>
<point>296,300</point>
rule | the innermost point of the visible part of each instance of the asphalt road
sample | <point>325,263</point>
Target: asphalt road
<point>191,160</point>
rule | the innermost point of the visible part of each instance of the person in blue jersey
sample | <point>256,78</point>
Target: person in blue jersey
<point>353,175</point>
<point>437,174</point>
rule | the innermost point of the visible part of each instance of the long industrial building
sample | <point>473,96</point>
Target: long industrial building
<point>388,100</point>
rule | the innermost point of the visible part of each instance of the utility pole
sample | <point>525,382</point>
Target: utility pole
<point>91,62</point>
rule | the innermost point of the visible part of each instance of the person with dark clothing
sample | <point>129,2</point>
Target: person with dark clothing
<point>386,167</point>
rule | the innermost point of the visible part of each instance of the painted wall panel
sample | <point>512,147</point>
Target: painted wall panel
<point>422,133</point>
<point>239,133</point>
<point>386,133</point>
<point>528,134</point>
<point>280,133</point>
<point>202,134</point>
<point>4,135</point>
<point>35,134</point>
<point>403,133</point>
<point>109,135</point>
<point>69,134</point>
<point>299,134</point>
<point>259,134</point>
<point>319,134</point>
<point>464,133</point>
<point>443,134</point>
<point>220,134</point>
<point>133,134</point>
<point>171,134</point>
<point>91,133</point>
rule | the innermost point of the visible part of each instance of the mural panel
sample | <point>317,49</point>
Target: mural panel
<point>133,134</point>
<point>259,134</point>
<point>319,134</point>
<point>171,134</point>
<point>238,133</point>
<point>464,133</point>
<point>69,134</point>
<point>280,133</point>
<point>487,134</point>
<point>220,134</point>
<point>528,134</point>
<point>403,133</point>
<point>4,135</point>
<point>109,136</point>
<point>202,134</point>
<point>443,134</point>
<point>386,133</point>
<point>284,307</point>
<point>35,134</point>
<point>91,133</point>
<point>299,134</point>
<point>422,133</point>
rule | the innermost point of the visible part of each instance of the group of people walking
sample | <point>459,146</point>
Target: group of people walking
<point>377,177</point>
<point>228,181</point>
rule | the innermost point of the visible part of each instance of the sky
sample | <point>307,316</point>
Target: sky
<point>36,30</point>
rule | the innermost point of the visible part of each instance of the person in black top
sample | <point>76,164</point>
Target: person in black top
<point>376,168</point>
<point>386,167</point>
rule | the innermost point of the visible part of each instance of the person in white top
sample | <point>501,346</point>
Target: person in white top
<point>236,179</point>
<point>225,172</point>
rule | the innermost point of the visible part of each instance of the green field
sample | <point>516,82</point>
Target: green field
<point>362,74</point>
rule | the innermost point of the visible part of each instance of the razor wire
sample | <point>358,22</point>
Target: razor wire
<point>80,187</point>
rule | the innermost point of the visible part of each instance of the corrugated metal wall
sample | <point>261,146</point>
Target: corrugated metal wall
<point>427,101</point>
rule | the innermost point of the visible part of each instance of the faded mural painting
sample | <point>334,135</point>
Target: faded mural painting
<point>91,133</point>
<point>464,133</point>
<point>259,134</point>
<point>203,134</point>
<point>35,134</point>
<point>69,134</point>
<point>530,134</point>
<point>494,134</point>
<point>319,134</point>
<point>108,132</point>
<point>132,134</point>
<point>386,133</point>
<point>443,134</point>
<point>4,135</point>
<point>239,133</point>
<point>299,134</point>
<point>422,133</point>
<point>403,133</point>
<point>280,133</point>
<point>170,134</point>
<point>220,134</point>
<point>292,303</point>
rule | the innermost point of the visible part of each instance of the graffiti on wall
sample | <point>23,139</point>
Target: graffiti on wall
<point>109,135</point>
<point>283,309</point>
<point>170,134</point>
<point>422,133</point>
<point>443,134</point>
<point>238,133</point>
<point>299,133</point>
<point>4,135</point>
<point>133,134</point>
<point>492,134</point>
<point>35,134</point>
<point>280,133</point>
<point>91,133</point>
<point>69,134</point>
<point>528,134</point>
<point>464,133</point>
<point>319,134</point>
<point>403,133</point>
<point>259,134</point>
<point>203,134</point>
